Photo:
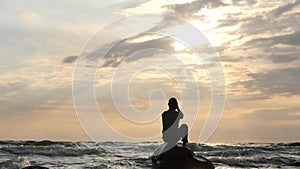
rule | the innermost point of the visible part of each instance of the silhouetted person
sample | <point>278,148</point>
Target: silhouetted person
<point>170,119</point>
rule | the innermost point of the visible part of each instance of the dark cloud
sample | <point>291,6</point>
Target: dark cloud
<point>289,39</point>
<point>188,9</point>
<point>273,114</point>
<point>264,23</point>
<point>168,21</point>
<point>243,2</point>
<point>260,24</point>
<point>126,47</point>
<point>275,82</point>
<point>284,58</point>
<point>229,20</point>
<point>285,8</point>
<point>70,59</point>
<point>284,50</point>
<point>226,58</point>
<point>272,35</point>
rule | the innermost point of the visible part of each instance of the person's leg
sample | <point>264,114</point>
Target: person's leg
<point>171,139</point>
<point>184,134</point>
<point>185,140</point>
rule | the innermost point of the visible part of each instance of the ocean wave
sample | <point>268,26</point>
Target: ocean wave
<point>37,143</point>
<point>295,144</point>
<point>236,162</point>
<point>52,150</point>
<point>136,155</point>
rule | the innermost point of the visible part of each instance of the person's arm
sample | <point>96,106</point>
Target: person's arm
<point>180,114</point>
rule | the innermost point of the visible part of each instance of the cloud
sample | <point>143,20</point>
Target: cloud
<point>268,115</point>
<point>285,8</point>
<point>127,4</point>
<point>284,58</point>
<point>21,97</point>
<point>188,9</point>
<point>70,59</point>
<point>40,29</point>
<point>284,81</point>
<point>288,39</point>
<point>265,23</point>
<point>126,47</point>
<point>244,2</point>
<point>185,11</point>
<point>229,20</point>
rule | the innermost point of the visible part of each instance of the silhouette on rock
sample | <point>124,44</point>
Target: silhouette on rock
<point>180,157</point>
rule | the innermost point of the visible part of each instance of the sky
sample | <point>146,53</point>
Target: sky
<point>102,70</point>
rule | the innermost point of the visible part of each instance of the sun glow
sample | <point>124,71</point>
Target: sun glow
<point>178,46</point>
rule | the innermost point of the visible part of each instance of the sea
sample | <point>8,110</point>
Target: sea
<point>123,155</point>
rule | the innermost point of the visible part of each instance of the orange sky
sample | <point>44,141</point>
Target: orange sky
<point>254,44</point>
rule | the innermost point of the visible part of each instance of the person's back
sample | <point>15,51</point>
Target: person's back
<point>170,120</point>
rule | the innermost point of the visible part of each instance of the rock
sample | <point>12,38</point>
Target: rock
<point>180,157</point>
<point>35,167</point>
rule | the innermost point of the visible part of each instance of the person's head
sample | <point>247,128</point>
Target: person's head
<point>173,104</point>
